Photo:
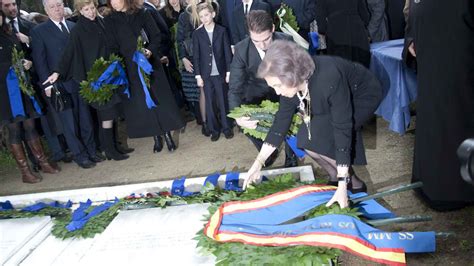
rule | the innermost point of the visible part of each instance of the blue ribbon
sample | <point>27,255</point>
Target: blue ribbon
<point>7,205</point>
<point>232,181</point>
<point>178,189</point>
<point>143,64</point>
<point>14,94</point>
<point>212,179</point>
<point>41,205</point>
<point>293,143</point>
<point>314,37</point>
<point>80,217</point>
<point>371,209</point>
<point>108,77</point>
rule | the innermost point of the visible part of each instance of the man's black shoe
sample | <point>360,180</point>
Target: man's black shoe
<point>291,161</point>
<point>215,137</point>
<point>86,164</point>
<point>97,158</point>
<point>66,159</point>
<point>229,134</point>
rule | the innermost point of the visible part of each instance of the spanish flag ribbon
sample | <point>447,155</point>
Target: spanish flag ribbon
<point>263,222</point>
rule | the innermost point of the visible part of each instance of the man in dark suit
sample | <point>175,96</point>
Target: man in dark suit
<point>240,30</point>
<point>304,11</point>
<point>165,34</point>
<point>244,86</point>
<point>48,41</point>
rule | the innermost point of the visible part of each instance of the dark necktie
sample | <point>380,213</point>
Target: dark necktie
<point>12,22</point>
<point>64,29</point>
<point>246,9</point>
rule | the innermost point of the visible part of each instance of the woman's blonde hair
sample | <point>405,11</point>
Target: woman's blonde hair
<point>192,10</point>
<point>79,4</point>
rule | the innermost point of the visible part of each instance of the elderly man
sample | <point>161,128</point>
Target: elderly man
<point>244,86</point>
<point>48,41</point>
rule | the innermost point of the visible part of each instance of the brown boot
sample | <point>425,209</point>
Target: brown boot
<point>20,158</point>
<point>37,150</point>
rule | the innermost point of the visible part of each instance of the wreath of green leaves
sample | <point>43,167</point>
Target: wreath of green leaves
<point>106,91</point>
<point>289,17</point>
<point>265,114</point>
<point>21,73</point>
<point>225,253</point>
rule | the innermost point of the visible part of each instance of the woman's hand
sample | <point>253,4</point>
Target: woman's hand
<point>253,175</point>
<point>27,64</point>
<point>147,53</point>
<point>411,49</point>
<point>23,38</point>
<point>188,65</point>
<point>245,122</point>
<point>51,79</point>
<point>340,196</point>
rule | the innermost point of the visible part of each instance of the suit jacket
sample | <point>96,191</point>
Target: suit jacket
<point>165,42</point>
<point>244,86</point>
<point>25,26</point>
<point>239,26</point>
<point>204,50</point>
<point>47,45</point>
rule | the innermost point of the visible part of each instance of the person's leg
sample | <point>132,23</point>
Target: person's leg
<point>16,147</point>
<point>221,90</point>
<point>86,129</point>
<point>326,165</point>
<point>210,101</point>
<point>34,142</point>
<point>54,145</point>
<point>202,104</point>
<point>108,142</point>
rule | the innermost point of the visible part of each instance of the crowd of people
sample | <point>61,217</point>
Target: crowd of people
<point>204,58</point>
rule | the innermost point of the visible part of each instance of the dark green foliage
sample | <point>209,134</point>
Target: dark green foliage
<point>21,73</point>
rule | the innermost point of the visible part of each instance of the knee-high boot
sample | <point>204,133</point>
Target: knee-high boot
<point>20,158</point>
<point>37,150</point>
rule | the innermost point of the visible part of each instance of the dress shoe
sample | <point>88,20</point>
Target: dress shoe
<point>96,158</point>
<point>67,158</point>
<point>215,136</point>
<point>169,142</point>
<point>205,130</point>
<point>291,161</point>
<point>229,134</point>
<point>86,164</point>
<point>124,150</point>
<point>158,146</point>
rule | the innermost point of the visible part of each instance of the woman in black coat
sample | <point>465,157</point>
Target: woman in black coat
<point>124,25</point>
<point>344,22</point>
<point>86,44</point>
<point>18,110</point>
<point>334,96</point>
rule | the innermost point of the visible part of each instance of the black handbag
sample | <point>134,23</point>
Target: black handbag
<point>60,99</point>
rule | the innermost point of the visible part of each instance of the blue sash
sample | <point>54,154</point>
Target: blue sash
<point>144,65</point>
<point>41,205</point>
<point>80,217</point>
<point>108,78</point>
<point>14,95</point>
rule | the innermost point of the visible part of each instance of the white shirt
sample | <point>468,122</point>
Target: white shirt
<point>261,53</point>
<point>59,25</point>
<point>249,5</point>
<point>15,23</point>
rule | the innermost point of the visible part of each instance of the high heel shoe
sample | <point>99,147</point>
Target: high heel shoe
<point>169,142</point>
<point>158,144</point>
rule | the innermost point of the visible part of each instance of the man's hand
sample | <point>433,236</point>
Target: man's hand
<point>23,38</point>
<point>165,60</point>
<point>200,82</point>
<point>188,65</point>
<point>245,122</point>
<point>47,91</point>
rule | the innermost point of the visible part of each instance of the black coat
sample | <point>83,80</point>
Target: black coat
<point>165,35</point>
<point>445,109</point>
<point>344,22</point>
<point>172,18</point>
<point>7,42</point>
<point>204,50</point>
<point>239,26</point>
<point>344,95</point>
<point>304,11</point>
<point>244,86</point>
<point>122,33</point>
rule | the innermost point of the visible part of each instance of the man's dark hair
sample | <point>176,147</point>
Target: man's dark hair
<point>259,21</point>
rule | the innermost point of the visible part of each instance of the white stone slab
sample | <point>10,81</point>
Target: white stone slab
<point>109,193</point>
<point>15,233</point>
<point>156,236</point>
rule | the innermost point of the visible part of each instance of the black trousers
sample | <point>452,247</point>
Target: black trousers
<point>217,107</point>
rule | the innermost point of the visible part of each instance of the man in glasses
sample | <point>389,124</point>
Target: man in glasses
<point>244,86</point>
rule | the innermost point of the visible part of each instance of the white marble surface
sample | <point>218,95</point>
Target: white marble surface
<point>156,236</point>
<point>16,233</point>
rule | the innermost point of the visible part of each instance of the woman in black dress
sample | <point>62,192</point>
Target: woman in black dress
<point>124,25</point>
<point>344,22</point>
<point>86,44</point>
<point>334,96</point>
<point>22,117</point>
